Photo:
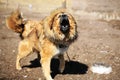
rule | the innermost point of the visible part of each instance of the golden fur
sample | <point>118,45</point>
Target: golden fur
<point>15,21</point>
<point>45,36</point>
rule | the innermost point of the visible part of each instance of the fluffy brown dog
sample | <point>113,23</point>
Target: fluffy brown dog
<point>50,37</point>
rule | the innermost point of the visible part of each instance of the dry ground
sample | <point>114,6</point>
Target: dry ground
<point>98,41</point>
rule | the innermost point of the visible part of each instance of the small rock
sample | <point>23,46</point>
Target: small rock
<point>39,79</point>
<point>71,78</point>
<point>25,76</point>
<point>3,22</point>
<point>13,51</point>
<point>101,68</point>
<point>28,69</point>
<point>0,51</point>
<point>86,60</point>
<point>105,29</point>
<point>105,52</point>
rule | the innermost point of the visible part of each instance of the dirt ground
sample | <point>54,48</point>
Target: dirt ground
<point>98,41</point>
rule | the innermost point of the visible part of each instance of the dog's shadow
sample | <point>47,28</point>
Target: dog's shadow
<point>71,67</point>
<point>33,64</point>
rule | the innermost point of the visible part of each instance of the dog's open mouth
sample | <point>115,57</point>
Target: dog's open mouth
<point>64,23</point>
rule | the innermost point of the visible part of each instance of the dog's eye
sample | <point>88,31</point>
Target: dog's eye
<point>59,16</point>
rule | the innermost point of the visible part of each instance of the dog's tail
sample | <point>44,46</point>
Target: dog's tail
<point>15,21</point>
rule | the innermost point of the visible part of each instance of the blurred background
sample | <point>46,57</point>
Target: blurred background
<point>107,9</point>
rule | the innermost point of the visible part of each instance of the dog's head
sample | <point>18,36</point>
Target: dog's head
<point>60,26</point>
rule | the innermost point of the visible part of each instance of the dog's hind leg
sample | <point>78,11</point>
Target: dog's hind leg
<point>24,49</point>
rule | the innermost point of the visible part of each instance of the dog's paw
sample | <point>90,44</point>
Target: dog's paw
<point>61,70</point>
<point>18,68</point>
<point>49,78</point>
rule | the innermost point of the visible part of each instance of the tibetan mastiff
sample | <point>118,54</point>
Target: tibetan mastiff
<point>51,37</point>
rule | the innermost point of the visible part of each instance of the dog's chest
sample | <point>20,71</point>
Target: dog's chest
<point>60,49</point>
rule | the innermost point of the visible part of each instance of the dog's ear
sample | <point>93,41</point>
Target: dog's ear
<point>73,28</point>
<point>48,22</point>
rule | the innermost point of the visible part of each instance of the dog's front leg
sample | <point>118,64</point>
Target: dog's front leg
<point>62,63</point>
<point>45,61</point>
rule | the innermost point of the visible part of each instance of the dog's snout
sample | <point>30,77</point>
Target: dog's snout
<point>64,23</point>
<point>64,16</point>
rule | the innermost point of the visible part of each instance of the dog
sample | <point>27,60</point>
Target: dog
<point>51,37</point>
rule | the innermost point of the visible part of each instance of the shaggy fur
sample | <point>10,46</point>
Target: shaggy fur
<point>15,21</point>
<point>47,38</point>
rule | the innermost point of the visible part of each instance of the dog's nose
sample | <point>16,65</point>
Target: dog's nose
<point>64,23</point>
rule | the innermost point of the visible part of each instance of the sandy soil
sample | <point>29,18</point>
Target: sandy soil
<point>98,41</point>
